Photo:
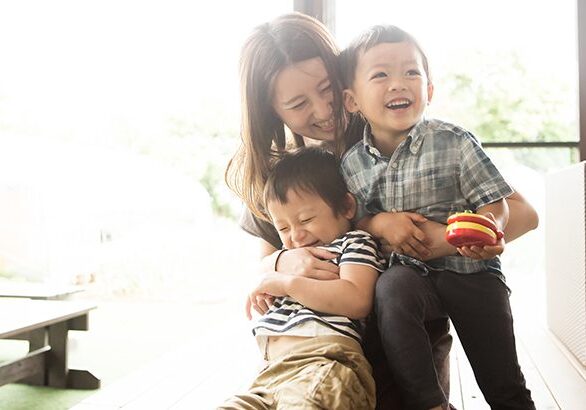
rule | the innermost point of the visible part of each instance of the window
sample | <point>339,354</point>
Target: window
<point>116,121</point>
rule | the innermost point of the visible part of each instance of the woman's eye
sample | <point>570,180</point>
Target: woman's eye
<point>412,73</point>
<point>298,106</point>
<point>283,229</point>
<point>326,89</point>
<point>306,220</point>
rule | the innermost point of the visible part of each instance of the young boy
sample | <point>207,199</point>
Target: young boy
<point>408,169</point>
<point>311,335</point>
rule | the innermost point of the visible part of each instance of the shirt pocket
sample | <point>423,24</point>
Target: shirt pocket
<point>431,187</point>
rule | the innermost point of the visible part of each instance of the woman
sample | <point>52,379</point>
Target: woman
<point>290,81</point>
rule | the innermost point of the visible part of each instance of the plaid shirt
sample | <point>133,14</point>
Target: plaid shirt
<point>439,169</point>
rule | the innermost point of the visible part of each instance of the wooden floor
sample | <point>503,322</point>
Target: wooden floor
<point>202,375</point>
<point>222,362</point>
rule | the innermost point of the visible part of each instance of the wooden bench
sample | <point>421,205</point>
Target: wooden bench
<point>40,291</point>
<point>45,324</point>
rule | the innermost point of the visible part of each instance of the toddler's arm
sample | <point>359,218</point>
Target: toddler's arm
<point>351,295</point>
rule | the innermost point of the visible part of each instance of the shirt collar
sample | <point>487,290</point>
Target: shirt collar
<point>414,139</point>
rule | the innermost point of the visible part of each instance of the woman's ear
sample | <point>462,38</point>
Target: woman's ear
<point>349,206</point>
<point>350,101</point>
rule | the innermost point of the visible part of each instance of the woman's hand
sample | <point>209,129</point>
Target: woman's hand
<point>487,251</point>
<point>400,232</point>
<point>309,262</point>
<point>483,252</point>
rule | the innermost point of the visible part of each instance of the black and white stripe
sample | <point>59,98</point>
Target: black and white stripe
<point>287,316</point>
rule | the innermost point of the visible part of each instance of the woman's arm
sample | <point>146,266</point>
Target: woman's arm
<point>522,219</point>
<point>351,295</point>
<point>309,262</point>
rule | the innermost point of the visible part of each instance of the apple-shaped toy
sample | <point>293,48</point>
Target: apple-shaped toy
<point>470,229</point>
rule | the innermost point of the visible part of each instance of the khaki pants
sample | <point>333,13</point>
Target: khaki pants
<point>326,372</point>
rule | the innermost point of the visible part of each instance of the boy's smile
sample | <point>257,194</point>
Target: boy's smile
<point>307,220</point>
<point>391,89</point>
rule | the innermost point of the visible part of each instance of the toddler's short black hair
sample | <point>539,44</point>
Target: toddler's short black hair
<point>373,36</point>
<point>307,169</point>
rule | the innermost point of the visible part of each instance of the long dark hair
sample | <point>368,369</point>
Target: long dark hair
<point>270,48</point>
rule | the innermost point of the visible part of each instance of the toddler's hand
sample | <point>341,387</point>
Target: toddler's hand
<point>259,302</point>
<point>271,284</point>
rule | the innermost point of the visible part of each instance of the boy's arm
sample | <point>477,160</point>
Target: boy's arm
<point>351,295</point>
<point>399,232</point>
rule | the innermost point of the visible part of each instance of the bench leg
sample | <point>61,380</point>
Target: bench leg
<point>82,379</point>
<point>37,339</point>
<point>58,373</point>
<point>57,363</point>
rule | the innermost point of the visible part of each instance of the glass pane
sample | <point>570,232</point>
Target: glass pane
<point>116,122</point>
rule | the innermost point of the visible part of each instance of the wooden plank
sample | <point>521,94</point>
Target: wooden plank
<point>540,393</point>
<point>472,397</point>
<point>57,362</point>
<point>82,379</point>
<point>37,290</point>
<point>153,377</point>
<point>557,367</point>
<point>31,364</point>
<point>37,339</point>
<point>27,315</point>
<point>455,382</point>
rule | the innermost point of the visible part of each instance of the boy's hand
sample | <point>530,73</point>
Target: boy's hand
<point>484,252</point>
<point>261,303</point>
<point>272,284</point>
<point>400,233</point>
<point>309,262</point>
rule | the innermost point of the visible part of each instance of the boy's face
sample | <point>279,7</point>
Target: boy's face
<point>390,89</point>
<point>307,220</point>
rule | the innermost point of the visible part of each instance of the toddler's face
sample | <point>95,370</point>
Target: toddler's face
<point>390,89</point>
<point>303,97</point>
<point>307,220</point>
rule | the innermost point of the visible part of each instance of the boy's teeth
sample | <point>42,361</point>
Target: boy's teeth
<point>403,103</point>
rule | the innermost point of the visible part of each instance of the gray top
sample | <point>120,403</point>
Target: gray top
<point>260,228</point>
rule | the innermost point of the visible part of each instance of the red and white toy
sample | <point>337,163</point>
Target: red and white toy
<point>470,229</point>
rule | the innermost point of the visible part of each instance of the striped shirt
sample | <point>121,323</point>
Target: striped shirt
<point>288,317</point>
<point>438,170</point>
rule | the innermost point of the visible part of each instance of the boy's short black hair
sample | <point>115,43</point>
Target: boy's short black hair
<point>307,169</point>
<point>373,36</point>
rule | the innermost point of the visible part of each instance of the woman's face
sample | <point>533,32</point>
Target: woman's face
<point>303,98</point>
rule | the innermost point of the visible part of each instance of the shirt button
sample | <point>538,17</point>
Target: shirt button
<point>394,165</point>
<point>394,210</point>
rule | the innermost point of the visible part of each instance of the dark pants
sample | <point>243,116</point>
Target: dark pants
<point>478,306</point>
<point>387,391</point>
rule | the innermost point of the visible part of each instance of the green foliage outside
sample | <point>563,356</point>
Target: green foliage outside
<point>501,99</point>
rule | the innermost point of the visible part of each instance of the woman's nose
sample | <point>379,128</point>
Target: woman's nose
<point>323,108</point>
